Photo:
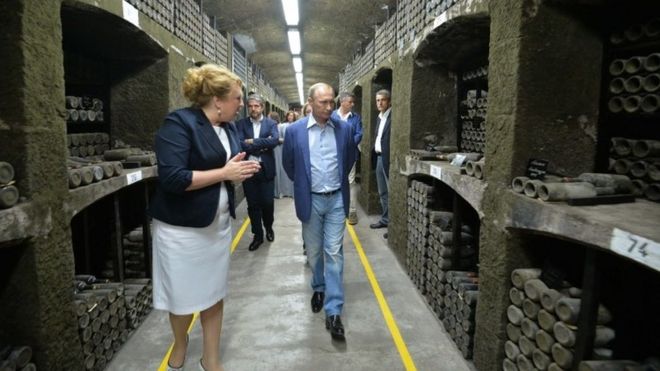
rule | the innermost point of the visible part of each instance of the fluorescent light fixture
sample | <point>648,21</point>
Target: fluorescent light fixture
<point>294,41</point>
<point>297,64</point>
<point>299,82</point>
<point>290,12</point>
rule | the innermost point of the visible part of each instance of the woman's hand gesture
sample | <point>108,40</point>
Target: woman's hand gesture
<point>238,170</point>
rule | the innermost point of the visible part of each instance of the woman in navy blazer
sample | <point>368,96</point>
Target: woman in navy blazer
<point>198,159</point>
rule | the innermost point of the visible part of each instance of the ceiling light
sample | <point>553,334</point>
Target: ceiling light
<point>299,82</point>
<point>290,12</point>
<point>297,64</point>
<point>294,41</point>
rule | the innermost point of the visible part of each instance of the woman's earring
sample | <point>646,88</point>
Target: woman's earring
<point>219,112</point>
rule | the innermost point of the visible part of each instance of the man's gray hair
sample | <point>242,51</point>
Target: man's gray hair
<point>312,89</point>
<point>384,92</point>
<point>345,95</point>
<point>255,97</point>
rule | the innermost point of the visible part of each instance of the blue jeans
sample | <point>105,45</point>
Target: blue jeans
<point>383,183</point>
<point>324,235</point>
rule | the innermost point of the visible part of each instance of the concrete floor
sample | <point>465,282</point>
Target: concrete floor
<point>268,323</point>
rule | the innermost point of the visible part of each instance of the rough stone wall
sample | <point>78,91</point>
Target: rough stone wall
<point>37,298</point>
<point>139,103</point>
<point>368,196</point>
<point>403,106</point>
<point>552,85</point>
<point>539,107</point>
<point>433,106</point>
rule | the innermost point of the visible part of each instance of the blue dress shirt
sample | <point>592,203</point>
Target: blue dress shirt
<point>323,156</point>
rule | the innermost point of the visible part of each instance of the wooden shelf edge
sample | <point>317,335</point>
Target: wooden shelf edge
<point>24,220</point>
<point>82,197</point>
<point>469,188</point>
<point>630,230</point>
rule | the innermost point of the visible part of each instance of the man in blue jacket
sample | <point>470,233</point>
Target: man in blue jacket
<point>317,155</point>
<point>258,136</point>
<point>345,113</point>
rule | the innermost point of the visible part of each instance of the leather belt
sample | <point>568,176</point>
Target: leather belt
<point>329,193</point>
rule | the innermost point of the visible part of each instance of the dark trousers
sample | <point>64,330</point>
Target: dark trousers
<point>259,193</point>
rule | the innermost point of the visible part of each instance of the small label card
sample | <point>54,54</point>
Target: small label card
<point>131,13</point>
<point>133,177</point>
<point>436,172</point>
<point>636,248</point>
<point>536,168</point>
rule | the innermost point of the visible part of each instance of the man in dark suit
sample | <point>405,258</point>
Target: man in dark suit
<point>258,136</point>
<point>381,154</point>
<point>318,154</point>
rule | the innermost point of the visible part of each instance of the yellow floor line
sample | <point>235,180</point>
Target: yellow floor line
<point>239,235</point>
<point>384,307</point>
<point>234,243</point>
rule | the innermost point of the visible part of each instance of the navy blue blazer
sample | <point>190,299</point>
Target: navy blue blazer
<point>297,164</point>
<point>356,122</point>
<point>262,146</point>
<point>185,142</point>
<point>384,145</point>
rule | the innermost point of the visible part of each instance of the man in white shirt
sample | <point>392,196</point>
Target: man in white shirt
<point>381,154</point>
<point>345,113</point>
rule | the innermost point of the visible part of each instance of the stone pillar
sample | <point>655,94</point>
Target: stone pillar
<point>402,108</point>
<point>37,295</point>
<point>542,103</point>
<point>368,196</point>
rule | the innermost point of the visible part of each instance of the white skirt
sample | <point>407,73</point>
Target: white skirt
<point>191,265</point>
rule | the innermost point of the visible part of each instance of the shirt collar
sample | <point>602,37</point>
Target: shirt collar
<point>312,121</point>
<point>383,116</point>
<point>348,115</point>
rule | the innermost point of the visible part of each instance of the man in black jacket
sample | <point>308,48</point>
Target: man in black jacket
<point>381,153</point>
<point>258,136</point>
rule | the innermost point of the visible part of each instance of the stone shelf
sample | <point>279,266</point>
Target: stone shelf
<point>469,188</point>
<point>84,196</point>
<point>631,230</point>
<point>22,221</point>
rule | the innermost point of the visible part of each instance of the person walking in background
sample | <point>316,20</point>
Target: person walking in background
<point>290,117</point>
<point>284,185</point>
<point>318,153</point>
<point>258,137</point>
<point>381,154</point>
<point>345,113</point>
<point>198,159</point>
<point>277,152</point>
<point>306,110</point>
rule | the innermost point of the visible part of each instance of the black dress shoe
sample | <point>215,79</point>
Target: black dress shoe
<point>333,323</point>
<point>385,236</point>
<point>377,225</point>
<point>256,242</point>
<point>317,301</point>
<point>270,235</point>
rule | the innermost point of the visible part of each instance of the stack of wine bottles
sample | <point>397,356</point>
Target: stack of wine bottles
<point>107,314</point>
<point>543,325</point>
<point>85,109</point>
<point>640,160</point>
<point>16,358</point>
<point>8,192</point>
<point>420,203</point>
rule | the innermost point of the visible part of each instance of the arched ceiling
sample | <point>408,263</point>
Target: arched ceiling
<point>331,31</point>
